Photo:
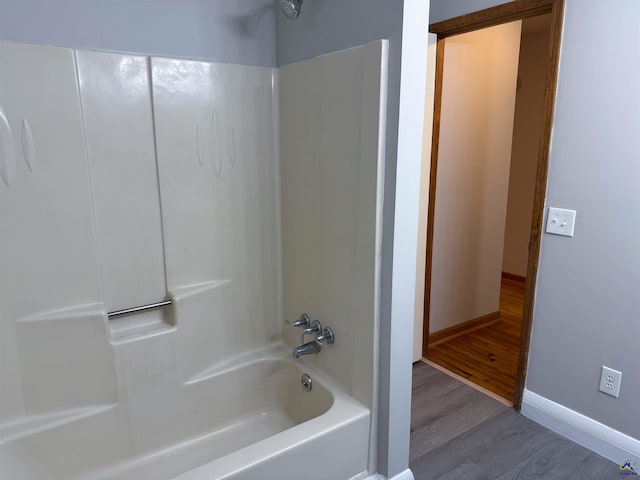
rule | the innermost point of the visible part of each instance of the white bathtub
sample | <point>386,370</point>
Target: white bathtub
<point>259,424</point>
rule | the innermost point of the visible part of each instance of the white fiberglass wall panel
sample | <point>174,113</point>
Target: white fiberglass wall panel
<point>215,133</point>
<point>116,101</point>
<point>49,276</point>
<point>331,118</point>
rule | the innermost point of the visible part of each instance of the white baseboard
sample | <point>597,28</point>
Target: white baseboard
<point>405,475</point>
<point>365,476</point>
<point>601,439</point>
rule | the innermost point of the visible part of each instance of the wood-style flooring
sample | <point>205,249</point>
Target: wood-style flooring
<point>460,433</point>
<point>488,356</point>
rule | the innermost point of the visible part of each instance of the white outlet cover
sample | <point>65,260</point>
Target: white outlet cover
<point>610,381</point>
<point>561,221</point>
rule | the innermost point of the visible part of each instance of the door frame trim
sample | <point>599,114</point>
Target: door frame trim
<point>508,12</point>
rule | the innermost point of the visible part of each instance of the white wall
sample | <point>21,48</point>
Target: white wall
<point>405,233</point>
<point>331,143</point>
<point>476,122</point>
<point>49,270</point>
<point>587,301</point>
<point>214,30</point>
<point>88,221</point>
<point>527,125</point>
<point>218,177</point>
<point>114,87</point>
<point>340,25</point>
<point>331,25</point>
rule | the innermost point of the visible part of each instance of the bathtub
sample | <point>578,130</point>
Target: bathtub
<point>254,421</point>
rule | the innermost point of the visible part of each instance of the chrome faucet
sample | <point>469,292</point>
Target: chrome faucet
<point>325,335</point>
<point>309,327</point>
<point>303,321</point>
<point>307,349</point>
<point>316,327</point>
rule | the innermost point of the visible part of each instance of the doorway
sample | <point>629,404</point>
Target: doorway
<point>489,159</point>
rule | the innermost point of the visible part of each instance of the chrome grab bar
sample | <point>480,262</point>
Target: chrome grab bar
<point>141,308</point>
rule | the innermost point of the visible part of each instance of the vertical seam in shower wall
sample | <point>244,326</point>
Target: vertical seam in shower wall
<point>155,154</point>
<point>275,99</point>
<point>85,147</point>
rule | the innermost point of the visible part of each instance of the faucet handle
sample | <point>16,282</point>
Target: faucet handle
<point>316,327</point>
<point>327,336</point>
<point>303,321</point>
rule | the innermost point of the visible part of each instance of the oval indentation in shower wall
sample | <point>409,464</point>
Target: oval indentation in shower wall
<point>215,142</point>
<point>7,152</point>
<point>199,144</point>
<point>232,146</point>
<point>28,148</point>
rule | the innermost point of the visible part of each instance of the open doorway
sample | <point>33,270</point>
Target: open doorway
<point>495,83</point>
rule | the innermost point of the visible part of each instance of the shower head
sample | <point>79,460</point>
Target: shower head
<point>291,8</point>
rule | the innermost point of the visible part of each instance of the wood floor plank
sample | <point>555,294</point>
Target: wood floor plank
<point>424,402</point>
<point>442,408</point>
<point>459,433</point>
<point>560,460</point>
<point>424,377</point>
<point>489,450</point>
<point>488,356</point>
<point>465,409</point>
<point>588,465</point>
<point>469,370</point>
<point>546,464</point>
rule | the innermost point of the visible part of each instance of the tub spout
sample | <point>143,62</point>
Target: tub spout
<point>307,349</point>
<point>325,335</point>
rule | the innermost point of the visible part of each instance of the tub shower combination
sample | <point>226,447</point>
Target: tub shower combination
<point>159,220</point>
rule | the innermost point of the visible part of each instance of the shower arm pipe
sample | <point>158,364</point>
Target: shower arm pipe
<point>141,308</point>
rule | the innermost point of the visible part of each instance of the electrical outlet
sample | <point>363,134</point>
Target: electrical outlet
<point>610,381</point>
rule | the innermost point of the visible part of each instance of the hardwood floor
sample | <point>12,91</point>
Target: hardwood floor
<point>488,356</point>
<point>459,433</point>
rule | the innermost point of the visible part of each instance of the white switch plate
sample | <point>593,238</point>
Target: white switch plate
<point>561,221</point>
<point>610,381</point>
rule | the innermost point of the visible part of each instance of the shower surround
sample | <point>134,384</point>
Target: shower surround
<point>128,180</point>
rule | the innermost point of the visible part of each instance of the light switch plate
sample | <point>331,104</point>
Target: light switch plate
<point>561,221</point>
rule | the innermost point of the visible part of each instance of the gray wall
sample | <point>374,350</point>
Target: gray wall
<point>213,30</point>
<point>327,26</point>
<point>587,310</point>
<point>445,9</point>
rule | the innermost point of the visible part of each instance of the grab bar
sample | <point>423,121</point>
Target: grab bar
<point>141,308</point>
